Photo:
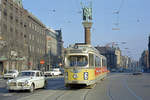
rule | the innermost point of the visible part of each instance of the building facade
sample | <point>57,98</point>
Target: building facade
<point>118,57</point>
<point>125,62</point>
<point>22,38</point>
<point>144,60</point>
<point>35,41</point>
<point>12,30</point>
<point>54,48</point>
<point>60,47</point>
<point>149,52</point>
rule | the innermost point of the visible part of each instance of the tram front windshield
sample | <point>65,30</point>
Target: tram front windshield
<point>76,60</point>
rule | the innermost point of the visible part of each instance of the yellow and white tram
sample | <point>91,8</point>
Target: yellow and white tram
<point>84,65</point>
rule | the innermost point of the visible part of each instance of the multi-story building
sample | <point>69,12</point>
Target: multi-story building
<point>126,61</point>
<point>22,37</point>
<point>35,40</point>
<point>51,49</point>
<point>60,47</point>
<point>144,60</point>
<point>118,57</point>
<point>54,53</point>
<point>12,33</point>
<point>149,52</point>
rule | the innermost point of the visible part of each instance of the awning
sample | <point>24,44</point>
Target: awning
<point>3,58</point>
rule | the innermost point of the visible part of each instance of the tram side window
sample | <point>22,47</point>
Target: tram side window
<point>91,60</point>
<point>104,62</point>
<point>97,61</point>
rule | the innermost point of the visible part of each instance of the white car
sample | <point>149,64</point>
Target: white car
<point>27,80</point>
<point>53,72</point>
<point>11,74</point>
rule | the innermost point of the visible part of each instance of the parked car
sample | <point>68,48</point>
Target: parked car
<point>27,80</point>
<point>11,74</point>
<point>113,70</point>
<point>137,73</point>
<point>53,72</point>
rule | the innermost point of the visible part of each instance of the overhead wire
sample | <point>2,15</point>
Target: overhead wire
<point>117,13</point>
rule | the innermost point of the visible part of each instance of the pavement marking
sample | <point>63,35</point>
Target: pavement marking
<point>7,94</point>
<point>86,94</point>
<point>131,91</point>
<point>109,93</point>
<point>1,79</point>
<point>40,96</point>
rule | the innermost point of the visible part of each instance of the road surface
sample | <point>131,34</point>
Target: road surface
<point>117,86</point>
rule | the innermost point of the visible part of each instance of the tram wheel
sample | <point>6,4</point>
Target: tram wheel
<point>91,86</point>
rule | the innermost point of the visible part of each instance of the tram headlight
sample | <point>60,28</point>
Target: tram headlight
<point>75,76</point>
<point>85,75</point>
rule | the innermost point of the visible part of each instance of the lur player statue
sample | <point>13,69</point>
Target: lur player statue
<point>87,13</point>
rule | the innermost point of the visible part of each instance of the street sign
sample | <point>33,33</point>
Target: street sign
<point>42,62</point>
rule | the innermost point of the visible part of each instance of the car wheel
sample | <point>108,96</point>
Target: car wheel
<point>31,88</point>
<point>10,91</point>
<point>45,85</point>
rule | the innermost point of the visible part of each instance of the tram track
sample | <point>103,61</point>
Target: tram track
<point>109,94</point>
<point>86,94</point>
<point>73,91</point>
<point>61,95</point>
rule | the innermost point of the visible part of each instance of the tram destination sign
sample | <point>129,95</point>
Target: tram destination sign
<point>75,51</point>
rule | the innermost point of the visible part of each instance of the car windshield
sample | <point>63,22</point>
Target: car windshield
<point>51,70</point>
<point>11,71</point>
<point>77,60</point>
<point>27,74</point>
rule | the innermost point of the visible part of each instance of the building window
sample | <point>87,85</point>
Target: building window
<point>11,6</point>
<point>16,19</point>
<point>0,14</point>
<point>21,23</point>
<point>33,37</point>
<point>21,13</point>
<point>25,25</point>
<point>33,49</point>
<point>30,47</point>
<point>30,25</point>
<point>21,34</point>
<point>4,3</point>
<point>11,29</point>
<point>11,16</point>
<point>16,10</point>
<point>5,27</point>
<point>30,36</point>
<point>35,27</point>
<point>25,36</point>
<point>5,12</point>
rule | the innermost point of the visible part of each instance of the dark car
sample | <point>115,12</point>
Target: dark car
<point>137,73</point>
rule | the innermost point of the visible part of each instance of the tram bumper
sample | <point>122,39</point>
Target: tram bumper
<point>77,82</point>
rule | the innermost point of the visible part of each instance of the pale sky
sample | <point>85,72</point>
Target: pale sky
<point>133,21</point>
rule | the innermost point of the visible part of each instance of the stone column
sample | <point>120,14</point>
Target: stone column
<point>87,29</point>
